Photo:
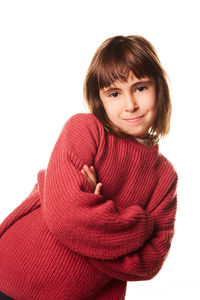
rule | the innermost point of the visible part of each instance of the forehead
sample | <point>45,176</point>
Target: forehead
<point>132,78</point>
<point>108,75</point>
<point>129,81</point>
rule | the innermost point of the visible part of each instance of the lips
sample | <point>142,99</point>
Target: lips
<point>134,120</point>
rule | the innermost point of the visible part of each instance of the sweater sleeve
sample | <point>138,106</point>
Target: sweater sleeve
<point>146,262</point>
<point>77,217</point>
<point>29,204</point>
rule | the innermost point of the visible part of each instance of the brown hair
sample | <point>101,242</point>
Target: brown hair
<point>114,60</point>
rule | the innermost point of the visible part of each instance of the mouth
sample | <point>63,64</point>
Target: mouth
<point>134,120</point>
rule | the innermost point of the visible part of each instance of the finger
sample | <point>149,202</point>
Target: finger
<point>88,178</point>
<point>93,174</point>
<point>93,170</point>
<point>90,173</point>
<point>89,170</point>
<point>98,188</point>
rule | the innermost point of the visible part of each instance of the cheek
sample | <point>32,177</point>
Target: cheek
<point>111,110</point>
<point>153,110</point>
<point>150,104</point>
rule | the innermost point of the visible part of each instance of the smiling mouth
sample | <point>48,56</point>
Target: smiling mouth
<point>134,120</point>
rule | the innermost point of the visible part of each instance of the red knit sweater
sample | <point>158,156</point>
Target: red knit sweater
<point>64,242</point>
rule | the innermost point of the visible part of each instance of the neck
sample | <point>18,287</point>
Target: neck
<point>145,141</point>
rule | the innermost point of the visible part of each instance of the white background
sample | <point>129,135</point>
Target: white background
<point>45,50</point>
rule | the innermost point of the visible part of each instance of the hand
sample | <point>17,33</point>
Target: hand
<point>90,175</point>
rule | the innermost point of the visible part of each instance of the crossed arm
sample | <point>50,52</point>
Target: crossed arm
<point>145,262</point>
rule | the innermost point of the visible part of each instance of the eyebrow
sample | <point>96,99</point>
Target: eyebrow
<point>112,88</point>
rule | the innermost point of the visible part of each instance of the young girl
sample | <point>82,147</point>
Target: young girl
<point>103,211</point>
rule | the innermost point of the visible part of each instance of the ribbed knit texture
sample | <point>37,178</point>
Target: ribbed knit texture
<point>65,242</point>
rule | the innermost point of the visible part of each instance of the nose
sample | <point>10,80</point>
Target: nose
<point>130,103</point>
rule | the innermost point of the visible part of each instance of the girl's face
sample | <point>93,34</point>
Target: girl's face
<point>131,105</point>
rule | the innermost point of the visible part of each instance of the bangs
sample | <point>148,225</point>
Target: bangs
<point>117,61</point>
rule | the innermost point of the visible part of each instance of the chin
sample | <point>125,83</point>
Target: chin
<point>137,133</point>
<point>134,134</point>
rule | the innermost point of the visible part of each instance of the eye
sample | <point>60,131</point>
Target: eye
<point>141,88</point>
<point>114,95</point>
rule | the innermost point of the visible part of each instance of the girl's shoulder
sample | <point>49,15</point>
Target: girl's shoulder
<point>82,134</point>
<point>84,122</point>
<point>166,168</point>
<point>83,117</point>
